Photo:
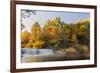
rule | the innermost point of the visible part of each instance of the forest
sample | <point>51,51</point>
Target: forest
<point>58,35</point>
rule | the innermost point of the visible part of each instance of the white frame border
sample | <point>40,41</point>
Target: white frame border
<point>20,65</point>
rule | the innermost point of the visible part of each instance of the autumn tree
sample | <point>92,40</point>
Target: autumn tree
<point>37,39</point>
<point>25,38</point>
<point>56,21</point>
<point>51,30</point>
<point>83,31</point>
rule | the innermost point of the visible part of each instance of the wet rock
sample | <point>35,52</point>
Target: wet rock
<point>72,53</point>
<point>85,51</point>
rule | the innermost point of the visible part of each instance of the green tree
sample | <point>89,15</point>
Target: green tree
<point>56,21</point>
<point>83,31</point>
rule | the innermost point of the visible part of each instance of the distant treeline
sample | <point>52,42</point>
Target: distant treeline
<point>57,34</point>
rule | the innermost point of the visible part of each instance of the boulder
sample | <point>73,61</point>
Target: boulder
<point>72,53</point>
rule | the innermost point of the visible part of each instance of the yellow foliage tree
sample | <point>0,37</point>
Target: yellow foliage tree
<point>25,37</point>
<point>37,38</point>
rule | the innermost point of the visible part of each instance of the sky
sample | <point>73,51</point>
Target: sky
<point>42,16</point>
